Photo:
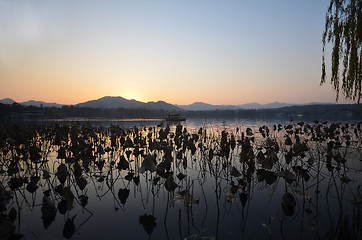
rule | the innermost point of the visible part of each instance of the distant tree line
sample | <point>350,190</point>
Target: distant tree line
<point>311,112</point>
<point>332,111</point>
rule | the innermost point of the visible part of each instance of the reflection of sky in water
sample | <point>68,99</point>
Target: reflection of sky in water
<point>196,122</point>
<point>192,123</point>
<point>212,216</point>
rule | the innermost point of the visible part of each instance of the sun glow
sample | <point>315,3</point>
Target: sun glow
<point>168,52</point>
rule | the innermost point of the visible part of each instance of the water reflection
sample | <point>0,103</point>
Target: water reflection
<point>226,182</point>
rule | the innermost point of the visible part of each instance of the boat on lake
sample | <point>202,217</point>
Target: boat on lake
<point>172,119</point>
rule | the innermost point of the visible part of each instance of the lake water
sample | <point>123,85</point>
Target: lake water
<point>231,179</point>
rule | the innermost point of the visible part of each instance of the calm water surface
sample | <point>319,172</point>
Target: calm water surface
<point>227,180</point>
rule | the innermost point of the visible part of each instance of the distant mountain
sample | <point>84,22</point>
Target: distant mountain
<point>255,105</point>
<point>161,105</point>
<point>120,102</point>
<point>200,106</point>
<point>31,103</point>
<point>40,104</point>
<point>111,102</point>
<point>7,101</point>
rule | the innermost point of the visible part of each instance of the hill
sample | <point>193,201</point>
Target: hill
<point>120,102</point>
<point>40,104</point>
<point>7,101</point>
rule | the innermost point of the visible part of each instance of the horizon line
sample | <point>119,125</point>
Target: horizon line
<point>176,104</point>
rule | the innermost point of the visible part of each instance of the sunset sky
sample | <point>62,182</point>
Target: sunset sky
<point>219,52</point>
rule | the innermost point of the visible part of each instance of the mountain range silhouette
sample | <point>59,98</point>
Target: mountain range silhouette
<point>120,102</point>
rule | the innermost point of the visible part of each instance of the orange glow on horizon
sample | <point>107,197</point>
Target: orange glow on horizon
<point>53,53</point>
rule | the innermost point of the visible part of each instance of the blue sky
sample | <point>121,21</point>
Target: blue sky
<point>220,52</point>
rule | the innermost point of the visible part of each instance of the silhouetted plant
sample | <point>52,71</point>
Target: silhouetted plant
<point>148,222</point>
<point>170,162</point>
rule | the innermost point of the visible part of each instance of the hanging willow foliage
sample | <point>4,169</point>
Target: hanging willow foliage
<point>343,28</point>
